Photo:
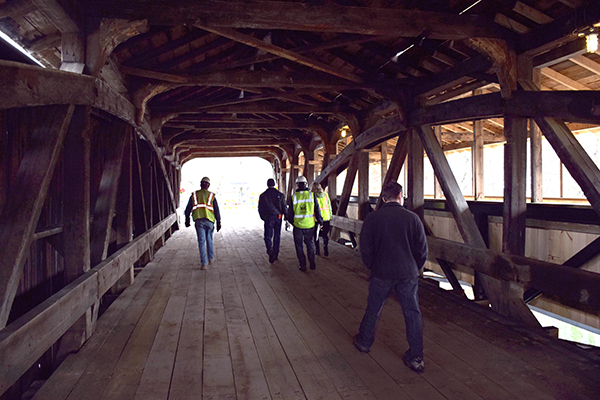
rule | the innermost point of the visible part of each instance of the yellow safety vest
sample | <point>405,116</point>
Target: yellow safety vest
<point>304,209</point>
<point>203,205</point>
<point>325,206</point>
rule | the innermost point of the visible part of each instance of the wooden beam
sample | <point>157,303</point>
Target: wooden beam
<point>577,161</point>
<point>477,160</point>
<point>367,139</point>
<point>23,342</point>
<point>398,159</point>
<point>573,106</point>
<point>57,15</point>
<point>416,180</point>
<point>563,79</point>
<point>27,195</point>
<point>571,287</point>
<point>505,62</point>
<point>316,18</point>
<point>455,199</point>
<point>104,208</point>
<point>574,288</point>
<point>559,31</point>
<point>284,53</point>
<point>76,195</point>
<point>586,63</point>
<point>363,185</point>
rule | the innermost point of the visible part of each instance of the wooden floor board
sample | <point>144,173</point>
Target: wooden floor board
<point>249,329</point>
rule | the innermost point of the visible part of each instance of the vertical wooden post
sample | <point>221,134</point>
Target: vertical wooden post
<point>309,167</point>
<point>416,196</point>
<point>293,175</point>
<point>28,193</point>
<point>398,158</point>
<point>515,166</point>
<point>363,185</point>
<point>531,79</point>
<point>76,220</point>
<point>72,52</point>
<point>515,213</point>
<point>346,191</point>
<point>437,190</point>
<point>477,156</point>
<point>124,211</point>
<point>107,197</point>
<point>384,159</point>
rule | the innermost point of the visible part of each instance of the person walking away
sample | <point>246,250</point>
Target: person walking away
<point>271,208</point>
<point>393,246</point>
<point>304,214</point>
<point>204,209</point>
<point>325,209</point>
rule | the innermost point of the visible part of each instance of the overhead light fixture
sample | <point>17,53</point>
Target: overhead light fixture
<point>344,131</point>
<point>591,40</point>
<point>17,46</point>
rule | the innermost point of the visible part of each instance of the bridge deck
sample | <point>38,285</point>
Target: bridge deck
<point>246,329</point>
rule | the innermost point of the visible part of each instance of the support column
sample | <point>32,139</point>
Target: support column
<point>76,221</point>
<point>531,79</point>
<point>415,193</point>
<point>364,208</point>
<point>384,159</point>
<point>400,152</point>
<point>515,212</point>
<point>477,160</point>
<point>437,190</point>
<point>124,211</point>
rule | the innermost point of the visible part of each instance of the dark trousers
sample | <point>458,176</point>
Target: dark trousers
<point>406,292</point>
<point>324,233</point>
<point>273,235</point>
<point>306,236</point>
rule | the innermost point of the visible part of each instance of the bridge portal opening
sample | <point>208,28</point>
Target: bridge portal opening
<point>237,183</point>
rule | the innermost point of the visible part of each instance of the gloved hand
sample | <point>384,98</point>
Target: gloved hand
<point>187,223</point>
<point>218,226</point>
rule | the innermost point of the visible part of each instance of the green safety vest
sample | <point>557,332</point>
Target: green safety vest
<point>325,206</point>
<point>203,205</point>
<point>304,209</point>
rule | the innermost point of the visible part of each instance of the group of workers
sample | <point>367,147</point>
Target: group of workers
<point>392,245</point>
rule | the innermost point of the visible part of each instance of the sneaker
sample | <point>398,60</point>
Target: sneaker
<point>301,268</point>
<point>203,266</point>
<point>326,252</point>
<point>416,363</point>
<point>272,258</point>
<point>359,346</point>
<point>313,266</point>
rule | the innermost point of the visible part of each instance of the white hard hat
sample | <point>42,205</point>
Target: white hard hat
<point>205,179</point>
<point>301,179</point>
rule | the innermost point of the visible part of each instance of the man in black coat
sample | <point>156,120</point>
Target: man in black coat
<point>394,247</point>
<point>271,208</point>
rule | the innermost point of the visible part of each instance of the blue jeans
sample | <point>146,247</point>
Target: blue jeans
<point>306,236</point>
<point>406,292</point>
<point>273,230</point>
<point>204,230</point>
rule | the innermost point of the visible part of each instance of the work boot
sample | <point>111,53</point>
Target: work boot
<point>325,251</point>
<point>317,249</point>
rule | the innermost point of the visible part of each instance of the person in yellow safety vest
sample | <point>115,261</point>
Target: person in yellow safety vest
<point>325,208</point>
<point>205,212</point>
<point>304,213</point>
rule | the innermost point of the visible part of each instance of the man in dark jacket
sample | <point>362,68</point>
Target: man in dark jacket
<point>271,208</point>
<point>393,246</point>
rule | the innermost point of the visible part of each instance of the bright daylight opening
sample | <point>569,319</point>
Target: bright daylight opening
<point>236,182</point>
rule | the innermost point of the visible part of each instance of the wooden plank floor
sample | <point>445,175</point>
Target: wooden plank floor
<point>246,329</point>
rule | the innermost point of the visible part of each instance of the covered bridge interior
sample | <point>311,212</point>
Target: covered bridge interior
<point>112,98</point>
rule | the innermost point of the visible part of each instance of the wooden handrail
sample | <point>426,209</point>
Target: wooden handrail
<point>25,340</point>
